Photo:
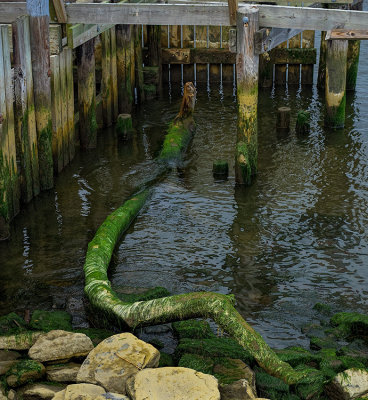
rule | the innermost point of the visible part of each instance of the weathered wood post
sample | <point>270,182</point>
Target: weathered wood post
<point>307,70</point>
<point>87,94</point>
<point>154,56</point>
<point>336,56</point>
<point>138,56</point>
<point>39,20</point>
<point>247,96</point>
<point>353,55</point>
<point>25,118</point>
<point>322,62</point>
<point>125,65</point>
<point>294,69</point>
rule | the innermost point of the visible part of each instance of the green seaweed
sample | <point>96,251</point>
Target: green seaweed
<point>24,371</point>
<point>166,360</point>
<point>51,320</point>
<point>193,329</point>
<point>12,324</point>
<point>154,293</point>
<point>196,362</point>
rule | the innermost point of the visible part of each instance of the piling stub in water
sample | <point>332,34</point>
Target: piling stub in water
<point>220,169</point>
<point>124,126</point>
<point>303,122</point>
<point>283,118</point>
<point>336,58</point>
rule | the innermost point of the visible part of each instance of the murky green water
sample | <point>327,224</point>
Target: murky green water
<point>297,236</point>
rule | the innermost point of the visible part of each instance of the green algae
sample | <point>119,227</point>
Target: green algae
<point>269,386</point>
<point>166,360</point>
<point>196,362</point>
<point>193,329</point>
<point>24,371</point>
<point>154,293</point>
<point>351,323</point>
<point>297,355</point>
<point>157,343</point>
<point>228,370</point>
<point>220,168</point>
<point>303,122</point>
<point>12,324</point>
<point>51,320</point>
<point>324,309</point>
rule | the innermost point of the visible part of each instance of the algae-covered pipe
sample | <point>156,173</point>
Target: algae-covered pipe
<point>168,309</point>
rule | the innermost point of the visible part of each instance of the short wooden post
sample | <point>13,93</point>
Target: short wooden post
<point>336,54</point>
<point>283,118</point>
<point>220,169</point>
<point>125,57</point>
<point>87,95</point>
<point>124,126</point>
<point>307,70</point>
<point>352,64</point>
<point>106,84</point>
<point>247,97</point>
<point>57,130</point>
<point>25,118</point>
<point>40,49</point>
<point>294,69</point>
<point>70,101</point>
<point>321,80</point>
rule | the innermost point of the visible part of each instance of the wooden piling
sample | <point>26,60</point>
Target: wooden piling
<point>25,118</point>
<point>64,108</point>
<point>247,97</point>
<point>280,69</point>
<point>70,101</point>
<point>352,64</point>
<point>294,69</point>
<point>307,69</point>
<point>40,49</point>
<point>321,80</point>
<point>336,57</point>
<point>283,118</point>
<point>87,95</point>
<point>139,81</point>
<point>154,52</point>
<point>265,70</point>
<point>106,83</point>
<point>57,129</point>
<point>114,75</point>
<point>125,58</point>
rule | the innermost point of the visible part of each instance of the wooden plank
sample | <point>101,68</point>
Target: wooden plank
<point>60,11</point>
<point>347,34</point>
<point>25,119</point>
<point>311,18</point>
<point>56,39</point>
<point>10,11</point>
<point>267,39</point>
<point>81,33</point>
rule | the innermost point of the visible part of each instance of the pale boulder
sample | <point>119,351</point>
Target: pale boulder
<point>112,396</point>
<point>65,373</point>
<point>40,392</point>
<point>20,341</point>
<point>60,345</point>
<point>172,383</point>
<point>348,385</point>
<point>116,359</point>
<point>81,391</point>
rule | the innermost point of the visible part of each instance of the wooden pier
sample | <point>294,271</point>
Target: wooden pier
<point>67,70</point>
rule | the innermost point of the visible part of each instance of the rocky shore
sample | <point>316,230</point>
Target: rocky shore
<point>46,358</point>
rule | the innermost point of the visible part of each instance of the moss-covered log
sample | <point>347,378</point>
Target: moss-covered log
<point>125,314</point>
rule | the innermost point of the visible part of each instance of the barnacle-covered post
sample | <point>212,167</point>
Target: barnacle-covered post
<point>336,56</point>
<point>247,96</point>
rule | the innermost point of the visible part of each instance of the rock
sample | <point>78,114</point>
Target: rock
<point>7,360</point>
<point>24,371</point>
<point>40,392</point>
<point>19,341</point>
<point>80,391</point>
<point>60,345</point>
<point>2,396</point>
<point>112,396</point>
<point>172,383</point>
<point>12,394</point>
<point>238,390</point>
<point>64,373</point>
<point>347,385</point>
<point>115,359</point>
<point>228,370</point>
<point>196,362</point>
<point>51,320</point>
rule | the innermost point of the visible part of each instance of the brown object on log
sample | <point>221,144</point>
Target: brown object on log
<point>188,103</point>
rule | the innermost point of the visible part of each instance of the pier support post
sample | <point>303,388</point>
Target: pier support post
<point>353,55</point>
<point>154,54</point>
<point>87,94</point>
<point>139,81</point>
<point>247,97</point>
<point>336,57</point>
<point>39,20</point>
<point>322,62</point>
<point>125,65</point>
<point>307,70</point>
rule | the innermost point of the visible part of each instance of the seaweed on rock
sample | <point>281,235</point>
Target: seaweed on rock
<point>216,306</point>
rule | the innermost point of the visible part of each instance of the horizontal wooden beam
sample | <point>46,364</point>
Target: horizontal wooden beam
<point>216,14</point>
<point>80,33</point>
<point>347,35</point>
<point>224,56</point>
<point>268,38</point>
